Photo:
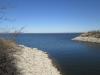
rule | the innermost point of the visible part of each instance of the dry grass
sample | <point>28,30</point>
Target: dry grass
<point>6,58</point>
<point>6,44</point>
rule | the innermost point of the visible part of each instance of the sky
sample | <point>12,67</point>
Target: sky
<point>51,16</point>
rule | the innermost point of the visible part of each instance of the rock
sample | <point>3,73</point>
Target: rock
<point>29,61</point>
<point>88,37</point>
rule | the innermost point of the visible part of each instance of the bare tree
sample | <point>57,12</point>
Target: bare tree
<point>14,33</point>
<point>2,12</point>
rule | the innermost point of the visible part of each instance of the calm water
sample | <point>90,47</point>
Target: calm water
<point>75,58</point>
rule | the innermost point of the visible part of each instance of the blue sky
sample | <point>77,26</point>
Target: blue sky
<point>52,16</point>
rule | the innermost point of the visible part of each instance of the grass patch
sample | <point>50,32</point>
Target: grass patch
<point>7,66</point>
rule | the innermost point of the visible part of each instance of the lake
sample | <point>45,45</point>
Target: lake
<point>73,57</point>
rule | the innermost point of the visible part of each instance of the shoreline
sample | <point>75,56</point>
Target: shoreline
<point>55,63</point>
<point>43,64</point>
<point>87,39</point>
<point>29,61</point>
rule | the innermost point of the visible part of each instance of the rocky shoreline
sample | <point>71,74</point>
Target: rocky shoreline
<point>27,61</point>
<point>88,37</point>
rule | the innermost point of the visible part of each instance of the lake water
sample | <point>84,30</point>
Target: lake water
<point>74,58</point>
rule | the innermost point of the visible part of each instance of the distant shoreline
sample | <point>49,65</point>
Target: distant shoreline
<point>46,33</point>
<point>89,37</point>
